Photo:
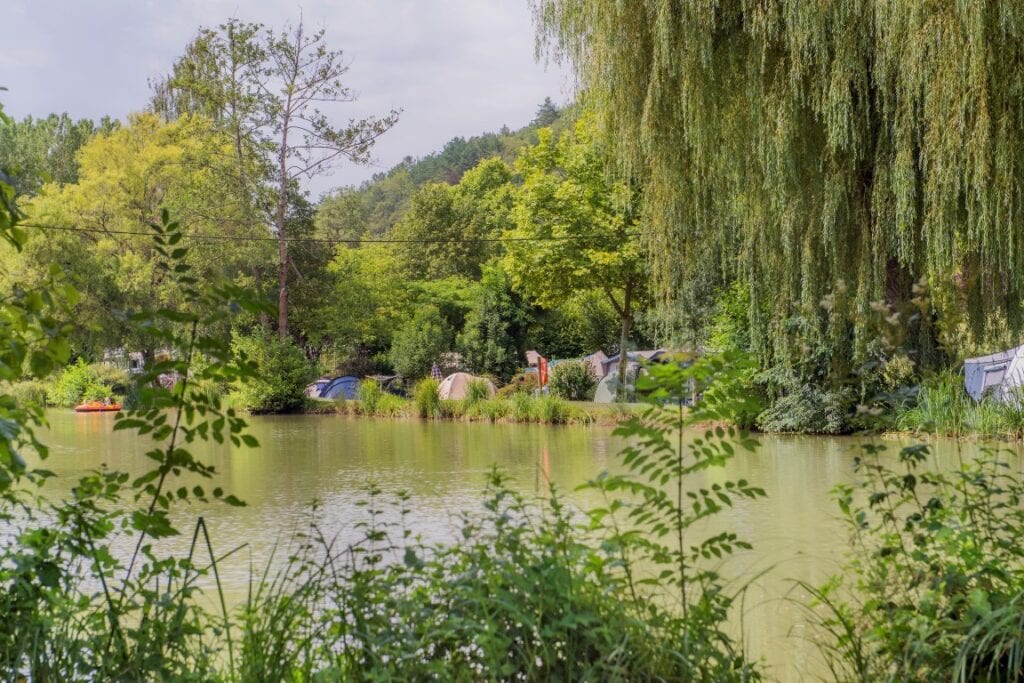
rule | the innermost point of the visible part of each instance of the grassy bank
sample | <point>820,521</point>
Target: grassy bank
<point>518,409</point>
<point>943,408</point>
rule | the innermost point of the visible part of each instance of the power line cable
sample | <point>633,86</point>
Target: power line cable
<point>328,240</point>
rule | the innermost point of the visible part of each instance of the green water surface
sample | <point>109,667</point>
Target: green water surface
<point>444,467</point>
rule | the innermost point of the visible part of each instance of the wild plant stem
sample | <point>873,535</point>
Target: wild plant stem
<point>679,510</point>
<point>165,467</point>
<point>112,611</point>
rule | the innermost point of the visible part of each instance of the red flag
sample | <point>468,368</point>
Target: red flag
<point>542,370</point>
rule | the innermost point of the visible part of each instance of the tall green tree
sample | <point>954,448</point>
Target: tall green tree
<point>342,215</point>
<point>806,147</point>
<point>577,228</point>
<point>268,89</point>
<point>38,151</point>
<point>126,177</point>
<point>449,230</point>
<point>419,342</point>
<point>492,340</point>
<point>547,114</point>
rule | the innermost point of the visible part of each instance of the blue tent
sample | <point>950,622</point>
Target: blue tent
<point>346,387</point>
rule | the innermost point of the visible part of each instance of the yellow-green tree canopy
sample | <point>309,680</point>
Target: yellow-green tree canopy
<point>576,228</point>
<point>448,228</point>
<point>125,178</point>
<point>797,145</point>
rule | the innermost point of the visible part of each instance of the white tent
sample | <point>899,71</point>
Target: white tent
<point>456,386</point>
<point>607,388</point>
<point>999,375</point>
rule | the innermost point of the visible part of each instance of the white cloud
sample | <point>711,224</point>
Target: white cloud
<point>456,67</point>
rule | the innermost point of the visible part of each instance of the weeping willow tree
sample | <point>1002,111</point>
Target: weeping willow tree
<point>818,152</point>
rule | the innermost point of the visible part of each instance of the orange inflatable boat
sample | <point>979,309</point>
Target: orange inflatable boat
<point>97,407</point>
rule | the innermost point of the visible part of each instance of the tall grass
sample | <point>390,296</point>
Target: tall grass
<point>944,408</point>
<point>477,390</point>
<point>370,395</point>
<point>28,392</point>
<point>427,400</point>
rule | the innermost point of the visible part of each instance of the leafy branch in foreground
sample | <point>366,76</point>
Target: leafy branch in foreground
<point>78,610</point>
<point>654,509</point>
<point>936,566</point>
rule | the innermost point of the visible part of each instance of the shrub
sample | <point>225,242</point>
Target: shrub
<point>524,383</point>
<point>808,409</point>
<point>573,381</point>
<point>83,382</point>
<point>426,399</point>
<point>282,373</point>
<point>934,588</point>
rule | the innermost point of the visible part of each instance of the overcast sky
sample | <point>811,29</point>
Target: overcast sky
<point>456,67</point>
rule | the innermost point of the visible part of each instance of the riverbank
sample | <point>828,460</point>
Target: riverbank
<point>519,409</point>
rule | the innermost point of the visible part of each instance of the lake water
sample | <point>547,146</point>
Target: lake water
<point>444,467</point>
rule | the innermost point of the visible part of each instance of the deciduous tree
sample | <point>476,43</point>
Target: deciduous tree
<point>799,145</point>
<point>578,228</point>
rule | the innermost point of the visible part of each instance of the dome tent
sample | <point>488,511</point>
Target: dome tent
<point>346,386</point>
<point>314,388</point>
<point>998,375</point>
<point>456,386</point>
<point>608,388</point>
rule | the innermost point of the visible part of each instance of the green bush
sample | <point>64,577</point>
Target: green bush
<point>808,409</point>
<point>933,586</point>
<point>523,383</point>
<point>420,342</point>
<point>80,382</point>
<point>282,373</point>
<point>573,380</point>
<point>426,399</point>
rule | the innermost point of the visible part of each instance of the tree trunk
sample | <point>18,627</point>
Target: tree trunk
<point>626,318</point>
<point>282,243</point>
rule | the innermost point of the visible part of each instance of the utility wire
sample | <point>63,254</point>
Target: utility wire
<point>326,240</point>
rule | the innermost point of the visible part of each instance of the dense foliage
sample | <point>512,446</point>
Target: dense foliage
<point>420,342</point>
<point>573,381</point>
<point>934,572</point>
<point>82,382</point>
<point>282,373</point>
<point>527,592</point>
<point>833,160</point>
<point>578,227</point>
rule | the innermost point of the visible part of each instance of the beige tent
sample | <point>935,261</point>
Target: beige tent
<point>456,386</point>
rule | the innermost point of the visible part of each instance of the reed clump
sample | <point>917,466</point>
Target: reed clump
<point>944,408</point>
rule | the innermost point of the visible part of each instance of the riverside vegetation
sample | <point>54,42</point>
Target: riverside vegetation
<point>859,243</point>
<point>533,590</point>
